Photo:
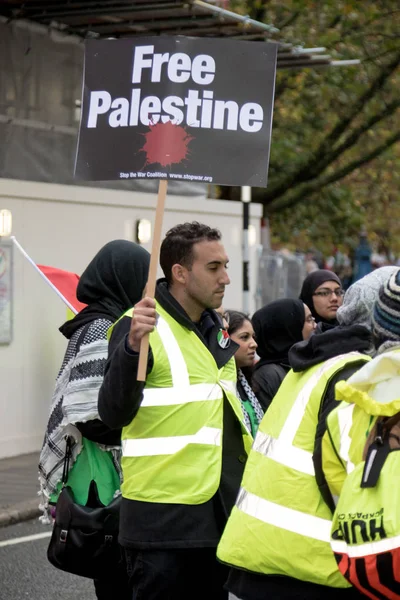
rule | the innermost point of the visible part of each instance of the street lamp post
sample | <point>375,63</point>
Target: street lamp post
<point>246,199</point>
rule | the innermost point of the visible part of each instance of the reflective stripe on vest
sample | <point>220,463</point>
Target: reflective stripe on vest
<point>179,372</point>
<point>345,420</point>
<point>282,449</point>
<point>280,524</point>
<point>172,449</point>
<point>385,545</point>
<point>283,517</point>
<point>170,445</point>
<point>191,393</point>
<point>181,393</point>
<point>276,449</point>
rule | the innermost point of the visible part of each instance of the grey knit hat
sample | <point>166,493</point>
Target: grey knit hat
<point>359,299</point>
<point>386,315</point>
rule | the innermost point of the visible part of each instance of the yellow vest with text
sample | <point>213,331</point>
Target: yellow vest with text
<point>281,524</point>
<point>172,449</point>
<point>371,392</point>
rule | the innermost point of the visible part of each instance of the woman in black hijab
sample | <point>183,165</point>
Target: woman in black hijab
<point>322,291</point>
<point>110,285</point>
<point>277,327</point>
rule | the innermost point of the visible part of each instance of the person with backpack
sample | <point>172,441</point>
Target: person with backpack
<point>361,463</point>
<point>113,281</point>
<point>277,539</point>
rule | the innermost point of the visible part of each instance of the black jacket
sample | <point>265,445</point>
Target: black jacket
<point>266,380</point>
<point>155,525</point>
<point>327,343</point>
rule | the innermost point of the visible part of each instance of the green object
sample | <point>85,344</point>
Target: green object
<point>95,464</point>
<point>280,524</point>
<point>248,407</point>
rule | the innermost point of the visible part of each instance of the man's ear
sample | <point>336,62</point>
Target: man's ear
<point>179,273</point>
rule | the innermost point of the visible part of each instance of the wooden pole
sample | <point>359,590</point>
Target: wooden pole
<point>151,283</point>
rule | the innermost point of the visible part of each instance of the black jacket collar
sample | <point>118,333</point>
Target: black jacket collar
<point>328,342</point>
<point>177,312</point>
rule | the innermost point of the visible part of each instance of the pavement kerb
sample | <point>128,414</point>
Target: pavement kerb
<point>22,511</point>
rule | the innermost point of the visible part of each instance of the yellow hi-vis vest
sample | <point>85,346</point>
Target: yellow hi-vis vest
<point>281,524</point>
<point>371,392</point>
<point>343,444</point>
<point>172,449</point>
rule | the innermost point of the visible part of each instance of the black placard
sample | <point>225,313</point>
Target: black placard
<point>177,108</point>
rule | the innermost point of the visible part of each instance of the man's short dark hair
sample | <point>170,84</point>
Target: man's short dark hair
<point>177,246</point>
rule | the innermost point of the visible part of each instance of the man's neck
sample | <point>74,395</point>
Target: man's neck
<point>192,308</point>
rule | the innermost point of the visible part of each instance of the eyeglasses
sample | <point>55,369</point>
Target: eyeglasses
<point>310,319</point>
<point>326,292</point>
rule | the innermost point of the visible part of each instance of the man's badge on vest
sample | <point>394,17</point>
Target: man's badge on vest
<point>223,338</point>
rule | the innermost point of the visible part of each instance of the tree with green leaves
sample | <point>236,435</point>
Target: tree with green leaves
<point>335,154</point>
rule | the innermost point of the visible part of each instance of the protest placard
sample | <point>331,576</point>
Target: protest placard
<point>176,108</point>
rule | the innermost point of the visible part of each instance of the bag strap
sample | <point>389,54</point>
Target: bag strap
<point>67,458</point>
<point>378,450</point>
<point>391,421</point>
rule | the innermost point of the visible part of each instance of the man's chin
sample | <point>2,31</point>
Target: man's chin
<point>217,303</point>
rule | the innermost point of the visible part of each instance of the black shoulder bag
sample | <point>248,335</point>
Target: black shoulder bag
<point>85,538</point>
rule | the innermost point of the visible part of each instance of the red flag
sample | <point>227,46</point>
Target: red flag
<point>65,282</point>
<point>62,282</point>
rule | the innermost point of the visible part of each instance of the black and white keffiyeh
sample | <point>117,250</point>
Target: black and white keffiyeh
<point>252,398</point>
<point>74,401</point>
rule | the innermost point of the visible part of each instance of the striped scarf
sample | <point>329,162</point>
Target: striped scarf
<point>74,401</point>
<point>252,398</point>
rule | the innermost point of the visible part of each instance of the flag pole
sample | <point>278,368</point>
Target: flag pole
<point>34,265</point>
<point>151,283</point>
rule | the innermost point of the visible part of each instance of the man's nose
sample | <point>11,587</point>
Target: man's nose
<point>225,278</point>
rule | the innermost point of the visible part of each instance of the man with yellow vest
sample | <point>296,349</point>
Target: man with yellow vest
<point>277,539</point>
<point>184,440</point>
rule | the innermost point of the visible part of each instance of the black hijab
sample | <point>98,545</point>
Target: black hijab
<point>277,326</point>
<point>111,284</point>
<point>310,284</point>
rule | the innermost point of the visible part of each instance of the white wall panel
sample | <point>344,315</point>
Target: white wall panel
<point>64,226</point>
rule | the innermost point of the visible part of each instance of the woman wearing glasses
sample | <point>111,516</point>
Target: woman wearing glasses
<point>323,293</point>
